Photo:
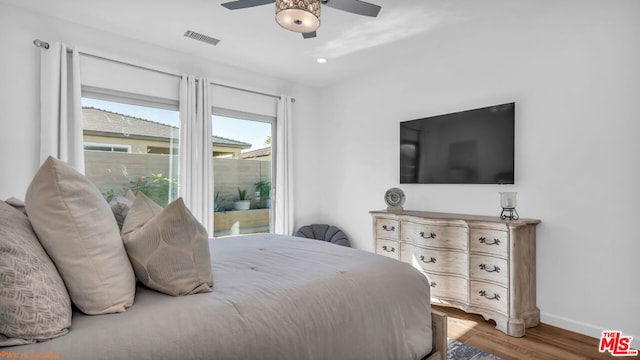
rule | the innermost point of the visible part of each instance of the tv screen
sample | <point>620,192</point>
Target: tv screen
<point>467,147</point>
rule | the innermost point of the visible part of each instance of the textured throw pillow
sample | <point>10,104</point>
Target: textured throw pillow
<point>168,248</point>
<point>120,206</point>
<point>76,227</point>
<point>34,304</point>
<point>142,210</point>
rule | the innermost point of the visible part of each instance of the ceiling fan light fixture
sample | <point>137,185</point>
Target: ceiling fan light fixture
<point>301,16</point>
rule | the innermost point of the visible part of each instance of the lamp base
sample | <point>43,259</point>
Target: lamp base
<point>509,213</point>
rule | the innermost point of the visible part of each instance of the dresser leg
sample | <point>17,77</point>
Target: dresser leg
<point>532,318</point>
<point>515,327</point>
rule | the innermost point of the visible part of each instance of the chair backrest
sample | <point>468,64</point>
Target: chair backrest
<point>323,232</point>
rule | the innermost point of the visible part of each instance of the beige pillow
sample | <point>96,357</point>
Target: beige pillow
<point>142,210</point>
<point>120,206</point>
<point>34,304</point>
<point>76,227</point>
<point>168,248</point>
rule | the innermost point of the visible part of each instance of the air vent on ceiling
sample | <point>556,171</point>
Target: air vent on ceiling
<point>201,37</point>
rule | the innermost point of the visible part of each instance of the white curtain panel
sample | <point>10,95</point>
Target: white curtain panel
<point>195,177</point>
<point>284,168</point>
<point>61,106</point>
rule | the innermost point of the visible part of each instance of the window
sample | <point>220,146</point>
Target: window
<point>107,147</point>
<point>133,144</point>
<point>131,147</point>
<point>242,168</point>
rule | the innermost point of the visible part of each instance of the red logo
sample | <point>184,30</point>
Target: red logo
<point>616,344</point>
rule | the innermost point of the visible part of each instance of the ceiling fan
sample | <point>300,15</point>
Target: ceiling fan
<point>303,16</point>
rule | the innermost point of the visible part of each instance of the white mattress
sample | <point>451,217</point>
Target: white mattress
<point>274,297</point>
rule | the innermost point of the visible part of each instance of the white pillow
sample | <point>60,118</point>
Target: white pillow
<point>76,227</point>
<point>168,248</point>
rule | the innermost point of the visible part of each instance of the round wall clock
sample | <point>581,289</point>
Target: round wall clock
<point>394,198</point>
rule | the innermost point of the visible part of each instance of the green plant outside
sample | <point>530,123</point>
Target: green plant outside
<point>264,187</point>
<point>218,202</point>
<point>159,188</point>
<point>242,194</point>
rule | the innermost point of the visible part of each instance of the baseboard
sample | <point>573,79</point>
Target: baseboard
<point>583,328</point>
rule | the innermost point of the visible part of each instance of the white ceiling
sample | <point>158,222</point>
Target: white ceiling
<point>250,38</point>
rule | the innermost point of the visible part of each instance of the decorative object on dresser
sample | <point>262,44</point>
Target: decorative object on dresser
<point>394,198</point>
<point>508,203</point>
<point>479,264</point>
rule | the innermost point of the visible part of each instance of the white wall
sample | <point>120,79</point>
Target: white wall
<point>20,85</point>
<point>572,67</point>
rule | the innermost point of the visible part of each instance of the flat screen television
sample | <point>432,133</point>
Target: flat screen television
<point>467,147</point>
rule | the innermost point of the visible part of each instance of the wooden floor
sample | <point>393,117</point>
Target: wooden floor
<point>541,342</point>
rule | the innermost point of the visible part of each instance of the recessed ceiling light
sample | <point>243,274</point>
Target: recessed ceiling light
<point>321,60</point>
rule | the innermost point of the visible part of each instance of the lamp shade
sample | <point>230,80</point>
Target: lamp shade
<point>508,199</point>
<point>301,16</point>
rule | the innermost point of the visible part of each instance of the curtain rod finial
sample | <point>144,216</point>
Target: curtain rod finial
<point>41,44</point>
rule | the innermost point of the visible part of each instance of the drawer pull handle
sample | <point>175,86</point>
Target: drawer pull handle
<point>385,248</point>
<point>484,267</point>
<point>430,236</point>
<point>483,240</point>
<point>388,228</point>
<point>432,260</point>
<point>494,297</point>
<point>433,284</point>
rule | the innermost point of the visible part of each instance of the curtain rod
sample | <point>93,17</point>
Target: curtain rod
<point>45,45</point>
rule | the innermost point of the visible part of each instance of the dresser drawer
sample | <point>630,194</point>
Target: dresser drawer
<point>433,260</point>
<point>444,287</point>
<point>488,241</point>
<point>388,248</point>
<point>483,267</point>
<point>450,237</point>
<point>489,296</point>
<point>387,229</point>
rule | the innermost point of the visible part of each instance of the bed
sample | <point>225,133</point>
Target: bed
<point>274,297</point>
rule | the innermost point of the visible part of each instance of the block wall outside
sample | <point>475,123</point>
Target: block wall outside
<point>113,171</point>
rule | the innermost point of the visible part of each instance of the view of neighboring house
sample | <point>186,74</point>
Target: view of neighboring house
<point>258,154</point>
<point>108,131</point>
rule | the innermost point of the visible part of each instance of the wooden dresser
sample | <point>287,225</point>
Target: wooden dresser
<point>479,264</point>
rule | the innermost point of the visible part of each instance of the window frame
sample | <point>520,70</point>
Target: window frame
<point>124,97</point>
<point>272,120</point>
<point>129,98</point>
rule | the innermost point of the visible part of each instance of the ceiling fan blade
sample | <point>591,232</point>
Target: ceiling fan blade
<point>309,35</point>
<point>243,4</point>
<point>354,6</point>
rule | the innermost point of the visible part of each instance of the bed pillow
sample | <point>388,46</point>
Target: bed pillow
<point>142,210</point>
<point>34,304</point>
<point>17,203</point>
<point>120,206</point>
<point>168,248</point>
<point>76,227</point>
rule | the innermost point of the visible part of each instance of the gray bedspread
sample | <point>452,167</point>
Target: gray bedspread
<point>274,297</point>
